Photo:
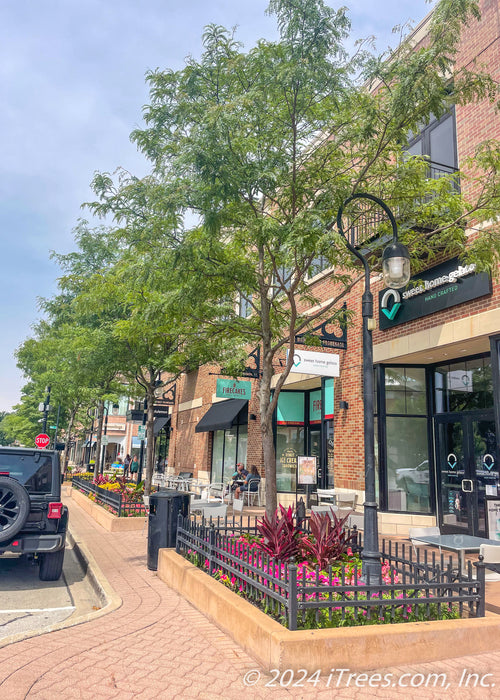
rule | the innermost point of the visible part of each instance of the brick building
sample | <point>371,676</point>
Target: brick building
<point>437,369</point>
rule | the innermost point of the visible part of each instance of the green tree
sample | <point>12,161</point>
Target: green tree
<point>259,149</point>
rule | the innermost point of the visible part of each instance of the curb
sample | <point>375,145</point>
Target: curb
<point>109,599</point>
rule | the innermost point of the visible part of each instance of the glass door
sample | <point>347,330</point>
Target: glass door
<point>466,463</point>
<point>315,451</point>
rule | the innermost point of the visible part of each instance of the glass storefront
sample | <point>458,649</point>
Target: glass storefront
<point>305,427</point>
<point>437,445</point>
<point>228,448</point>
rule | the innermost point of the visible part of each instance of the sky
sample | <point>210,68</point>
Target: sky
<point>72,89</point>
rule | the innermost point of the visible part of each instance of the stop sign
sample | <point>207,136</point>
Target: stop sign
<point>42,441</point>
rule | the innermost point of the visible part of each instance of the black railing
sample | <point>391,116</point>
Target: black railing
<point>301,597</point>
<point>364,228</point>
<point>114,501</point>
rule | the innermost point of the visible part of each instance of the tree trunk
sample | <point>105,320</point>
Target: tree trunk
<point>150,440</point>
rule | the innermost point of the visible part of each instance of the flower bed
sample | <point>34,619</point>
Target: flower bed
<point>114,494</point>
<point>305,587</point>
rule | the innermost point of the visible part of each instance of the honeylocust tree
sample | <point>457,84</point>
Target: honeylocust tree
<point>252,154</point>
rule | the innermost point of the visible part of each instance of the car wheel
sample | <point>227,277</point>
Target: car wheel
<point>14,507</point>
<point>51,565</point>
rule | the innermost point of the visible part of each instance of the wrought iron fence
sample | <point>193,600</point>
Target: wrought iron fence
<point>114,501</point>
<point>298,596</point>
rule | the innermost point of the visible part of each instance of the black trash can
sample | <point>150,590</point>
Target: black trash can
<point>164,508</point>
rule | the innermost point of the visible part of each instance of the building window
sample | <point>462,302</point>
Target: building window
<point>464,386</point>
<point>228,448</point>
<point>404,448</point>
<point>317,265</point>
<point>438,141</point>
<point>245,306</point>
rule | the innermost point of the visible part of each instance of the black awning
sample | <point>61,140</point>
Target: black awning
<point>221,415</point>
<point>160,423</point>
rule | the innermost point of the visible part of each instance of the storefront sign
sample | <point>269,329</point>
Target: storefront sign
<point>493,510</point>
<point>436,289</point>
<point>233,389</point>
<point>306,470</point>
<point>324,364</point>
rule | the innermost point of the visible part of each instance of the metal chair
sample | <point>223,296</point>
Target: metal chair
<point>252,495</point>
<point>325,510</point>
<point>357,519</point>
<point>238,505</point>
<point>346,499</point>
<point>491,559</point>
<point>212,512</point>
<point>325,496</point>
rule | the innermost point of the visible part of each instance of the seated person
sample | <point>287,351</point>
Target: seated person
<point>239,475</point>
<point>251,482</point>
<point>118,464</point>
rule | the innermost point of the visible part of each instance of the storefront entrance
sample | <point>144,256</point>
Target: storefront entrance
<point>467,468</point>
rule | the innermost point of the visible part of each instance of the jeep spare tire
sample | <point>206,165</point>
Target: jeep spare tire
<point>14,507</point>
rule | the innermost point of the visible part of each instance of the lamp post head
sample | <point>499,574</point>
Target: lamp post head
<point>396,265</point>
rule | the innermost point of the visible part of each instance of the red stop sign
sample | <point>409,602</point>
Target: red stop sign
<point>42,441</point>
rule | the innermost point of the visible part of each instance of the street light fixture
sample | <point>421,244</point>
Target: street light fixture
<point>396,272</point>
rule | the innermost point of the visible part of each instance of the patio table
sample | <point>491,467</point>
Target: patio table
<point>462,544</point>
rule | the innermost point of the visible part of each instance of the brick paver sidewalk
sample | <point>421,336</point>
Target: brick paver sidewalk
<point>156,645</point>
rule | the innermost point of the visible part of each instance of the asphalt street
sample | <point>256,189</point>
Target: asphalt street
<point>28,605</point>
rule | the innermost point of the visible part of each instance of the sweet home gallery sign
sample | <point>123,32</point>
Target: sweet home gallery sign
<point>436,289</point>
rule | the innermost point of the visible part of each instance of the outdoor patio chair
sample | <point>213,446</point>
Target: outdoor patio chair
<point>213,512</point>
<point>252,496</point>
<point>491,558</point>
<point>347,499</point>
<point>326,496</point>
<point>216,491</point>
<point>238,505</point>
<point>357,519</point>
<point>325,510</point>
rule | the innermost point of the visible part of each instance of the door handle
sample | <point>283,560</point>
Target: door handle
<point>467,486</point>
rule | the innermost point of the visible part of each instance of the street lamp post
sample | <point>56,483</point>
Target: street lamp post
<point>396,272</point>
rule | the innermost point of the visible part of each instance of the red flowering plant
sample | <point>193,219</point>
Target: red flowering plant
<point>281,538</point>
<point>329,539</point>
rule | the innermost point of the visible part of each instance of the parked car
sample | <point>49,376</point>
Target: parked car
<point>407,479</point>
<point>33,520</point>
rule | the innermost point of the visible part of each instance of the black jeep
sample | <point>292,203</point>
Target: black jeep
<point>33,520</point>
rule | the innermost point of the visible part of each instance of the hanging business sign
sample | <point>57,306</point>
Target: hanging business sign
<point>233,389</point>
<point>324,364</point>
<point>439,288</point>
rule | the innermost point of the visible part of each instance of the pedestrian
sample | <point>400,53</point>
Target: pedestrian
<point>134,468</point>
<point>126,464</point>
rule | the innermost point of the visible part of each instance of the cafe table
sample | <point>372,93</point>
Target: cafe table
<point>461,544</point>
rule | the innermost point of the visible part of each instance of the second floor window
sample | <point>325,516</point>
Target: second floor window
<point>438,141</point>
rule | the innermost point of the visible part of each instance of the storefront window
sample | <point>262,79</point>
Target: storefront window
<point>464,386</point>
<point>405,390</point>
<point>229,447</point>
<point>290,442</point>
<point>408,475</point>
<point>404,424</point>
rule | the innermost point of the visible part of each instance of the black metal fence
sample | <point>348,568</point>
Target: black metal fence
<point>114,501</point>
<point>301,597</point>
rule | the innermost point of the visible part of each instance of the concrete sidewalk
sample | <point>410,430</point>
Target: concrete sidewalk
<point>156,645</point>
